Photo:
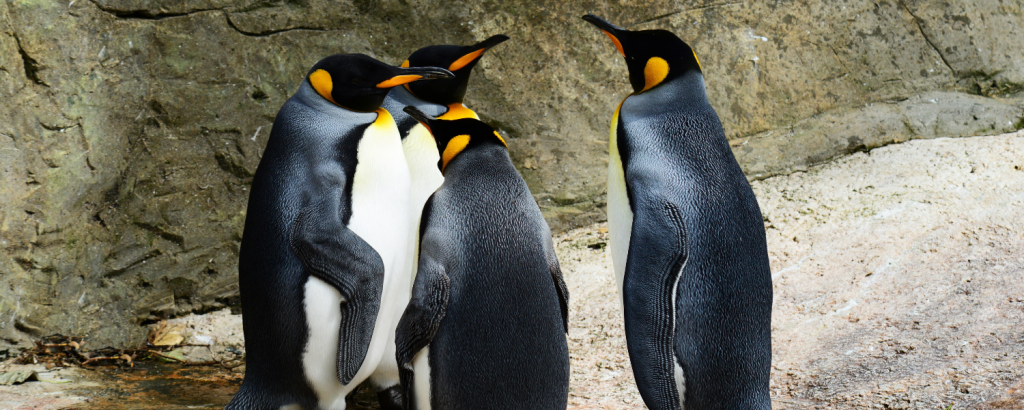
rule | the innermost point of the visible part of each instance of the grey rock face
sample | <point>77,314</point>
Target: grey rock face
<point>130,129</point>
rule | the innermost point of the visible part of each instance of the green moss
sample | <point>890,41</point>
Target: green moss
<point>1020,124</point>
<point>982,83</point>
<point>980,75</point>
<point>1009,88</point>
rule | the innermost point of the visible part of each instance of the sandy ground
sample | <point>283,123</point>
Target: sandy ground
<point>898,276</point>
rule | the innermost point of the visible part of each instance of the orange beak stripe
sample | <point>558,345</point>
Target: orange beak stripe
<point>615,41</point>
<point>399,80</point>
<point>466,59</point>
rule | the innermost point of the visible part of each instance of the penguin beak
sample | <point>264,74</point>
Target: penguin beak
<point>478,50</point>
<point>408,75</point>
<point>492,41</point>
<point>420,116</point>
<point>612,31</point>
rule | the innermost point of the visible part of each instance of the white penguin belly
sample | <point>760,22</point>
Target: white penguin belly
<point>421,379</point>
<point>320,358</point>
<point>380,192</point>
<point>620,215</point>
<point>422,156</point>
<point>680,382</point>
<point>677,369</point>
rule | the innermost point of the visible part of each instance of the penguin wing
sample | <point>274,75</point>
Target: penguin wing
<point>657,255</point>
<point>421,319</point>
<point>556,275</point>
<point>334,254</point>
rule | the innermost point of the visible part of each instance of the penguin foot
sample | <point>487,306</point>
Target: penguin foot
<point>390,398</point>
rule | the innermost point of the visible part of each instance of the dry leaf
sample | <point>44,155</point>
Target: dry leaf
<point>169,335</point>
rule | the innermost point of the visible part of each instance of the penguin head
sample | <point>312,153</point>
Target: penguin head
<point>360,83</point>
<point>460,60</point>
<point>456,136</point>
<point>652,56</point>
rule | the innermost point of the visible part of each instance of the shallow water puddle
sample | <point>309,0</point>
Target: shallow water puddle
<point>147,386</point>
<point>155,386</point>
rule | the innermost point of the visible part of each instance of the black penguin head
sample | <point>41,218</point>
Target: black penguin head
<point>456,136</point>
<point>360,83</point>
<point>460,60</point>
<point>652,56</point>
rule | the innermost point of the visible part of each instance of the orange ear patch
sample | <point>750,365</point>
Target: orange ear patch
<point>454,147</point>
<point>466,59</point>
<point>405,64</point>
<point>322,83</point>
<point>500,139</point>
<point>398,80</point>
<point>654,72</point>
<point>615,41</point>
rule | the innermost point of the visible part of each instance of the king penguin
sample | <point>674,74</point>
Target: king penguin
<point>687,238</point>
<point>326,230</point>
<point>443,98</point>
<point>486,325</point>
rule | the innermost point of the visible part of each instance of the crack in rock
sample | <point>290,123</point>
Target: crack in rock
<point>143,14</point>
<point>667,15</point>
<point>32,67</point>
<point>917,21</point>
<point>268,33</point>
<point>170,236</point>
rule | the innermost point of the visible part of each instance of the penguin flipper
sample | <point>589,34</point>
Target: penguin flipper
<point>657,255</point>
<point>335,254</point>
<point>420,320</point>
<point>556,275</point>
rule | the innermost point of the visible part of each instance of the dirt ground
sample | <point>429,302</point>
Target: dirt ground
<point>898,277</point>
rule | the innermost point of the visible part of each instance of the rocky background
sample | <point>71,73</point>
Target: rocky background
<point>130,129</point>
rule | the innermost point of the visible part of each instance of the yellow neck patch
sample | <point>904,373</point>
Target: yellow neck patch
<point>322,83</point>
<point>500,139</point>
<point>383,116</point>
<point>457,111</point>
<point>455,146</point>
<point>701,67</point>
<point>398,80</point>
<point>405,64</point>
<point>613,143</point>
<point>466,59</point>
<point>654,72</point>
<point>618,45</point>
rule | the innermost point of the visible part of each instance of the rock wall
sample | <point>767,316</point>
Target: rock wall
<point>130,129</point>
